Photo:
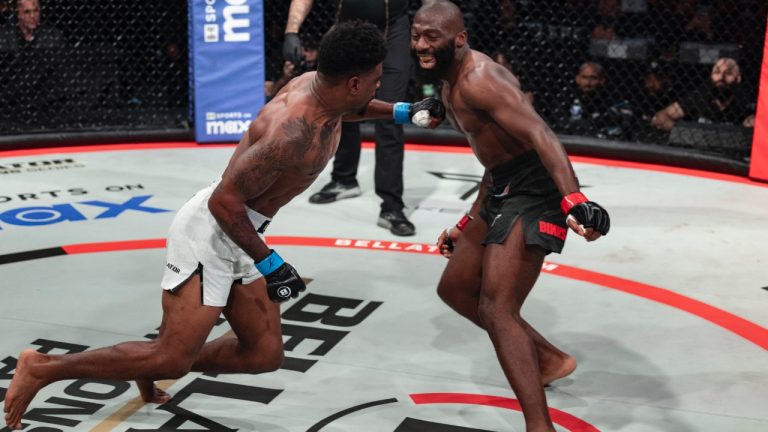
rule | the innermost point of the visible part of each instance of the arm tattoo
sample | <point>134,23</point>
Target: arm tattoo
<point>263,167</point>
<point>299,134</point>
<point>326,132</point>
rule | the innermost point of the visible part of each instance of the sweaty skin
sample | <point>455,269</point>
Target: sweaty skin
<point>282,152</point>
<point>488,284</point>
<point>277,160</point>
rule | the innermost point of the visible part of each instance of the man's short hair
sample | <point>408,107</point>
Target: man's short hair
<point>350,48</point>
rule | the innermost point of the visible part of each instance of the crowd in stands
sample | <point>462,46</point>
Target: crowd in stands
<point>628,70</point>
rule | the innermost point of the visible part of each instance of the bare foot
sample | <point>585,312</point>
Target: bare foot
<point>23,388</point>
<point>558,369</point>
<point>151,393</point>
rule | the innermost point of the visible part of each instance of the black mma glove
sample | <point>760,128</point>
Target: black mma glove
<point>427,113</point>
<point>283,282</point>
<point>587,213</point>
<point>460,225</point>
<point>292,48</point>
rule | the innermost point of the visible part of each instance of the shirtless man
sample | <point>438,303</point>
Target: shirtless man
<point>528,199</point>
<point>216,236</point>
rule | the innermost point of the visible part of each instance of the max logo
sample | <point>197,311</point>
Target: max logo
<point>36,216</point>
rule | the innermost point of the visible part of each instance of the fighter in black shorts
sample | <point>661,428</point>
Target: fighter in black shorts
<point>529,196</point>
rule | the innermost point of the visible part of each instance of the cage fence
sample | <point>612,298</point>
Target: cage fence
<point>93,66</point>
<point>594,68</point>
<point>605,68</point>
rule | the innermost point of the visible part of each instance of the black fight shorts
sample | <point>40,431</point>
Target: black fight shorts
<point>523,188</point>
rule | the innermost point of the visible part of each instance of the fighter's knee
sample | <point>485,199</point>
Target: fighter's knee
<point>490,310</point>
<point>267,357</point>
<point>274,360</point>
<point>449,292</point>
<point>486,315</point>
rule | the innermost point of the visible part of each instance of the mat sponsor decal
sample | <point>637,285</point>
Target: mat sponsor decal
<point>32,216</point>
<point>473,179</point>
<point>41,165</point>
<point>410,424</point>
<point>311,327</point>
<point>733,323</point>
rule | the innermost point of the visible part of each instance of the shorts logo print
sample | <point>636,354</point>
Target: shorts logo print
<point>552,229</point>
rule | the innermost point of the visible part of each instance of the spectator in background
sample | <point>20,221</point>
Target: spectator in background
<point>721,100</point>
<point>307,62</point>
<point>589,109</point>
<point>29,30</point>
<point>584,104</point>
<point>654,94</point>
<point>26,43</point>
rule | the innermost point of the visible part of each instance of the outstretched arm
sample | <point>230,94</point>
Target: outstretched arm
<point>427,113</point>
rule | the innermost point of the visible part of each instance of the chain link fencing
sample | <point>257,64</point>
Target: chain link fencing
<point>592,68</point>
<point>605,68</point>
<point>93,66</point>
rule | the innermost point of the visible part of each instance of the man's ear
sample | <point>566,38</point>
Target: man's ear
<point>353,84</point>
<point>461,39</point>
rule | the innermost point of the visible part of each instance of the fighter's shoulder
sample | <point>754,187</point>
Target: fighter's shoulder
<point>484,78</point>
<point>484,70</point>
<point>291,101</point>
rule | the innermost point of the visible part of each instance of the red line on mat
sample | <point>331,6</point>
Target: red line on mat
<point>728,321</point>
<point>562,418</point>
<point>410,147</point>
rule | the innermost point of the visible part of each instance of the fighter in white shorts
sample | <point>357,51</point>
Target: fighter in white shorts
<point>216,237</point>
<point>197,244</point>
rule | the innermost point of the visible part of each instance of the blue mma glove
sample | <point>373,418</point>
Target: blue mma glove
<point>427,113</point>
<point>283,282</point>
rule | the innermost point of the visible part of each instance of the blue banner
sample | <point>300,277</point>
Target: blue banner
<point>226,66</point>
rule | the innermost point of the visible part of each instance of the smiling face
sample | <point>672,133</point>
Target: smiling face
<point>435,36</point>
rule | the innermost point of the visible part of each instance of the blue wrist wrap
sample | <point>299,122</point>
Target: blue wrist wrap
<point>269,264</point>
<point>401,113</point>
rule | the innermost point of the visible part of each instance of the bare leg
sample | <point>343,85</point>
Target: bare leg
<point>553,363</point>
<point>258,346</point>
<point>459,287</point>
<point>186,324</point>
<point>23,388</point>
<point>510,271</point>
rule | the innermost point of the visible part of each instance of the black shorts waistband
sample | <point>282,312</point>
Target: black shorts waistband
<point>524,174</point>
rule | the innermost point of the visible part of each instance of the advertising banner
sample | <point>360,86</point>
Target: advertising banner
<point>226,66</point>
<point>758,168</point>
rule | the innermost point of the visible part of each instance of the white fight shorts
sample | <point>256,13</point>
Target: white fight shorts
<point>196,244</point>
